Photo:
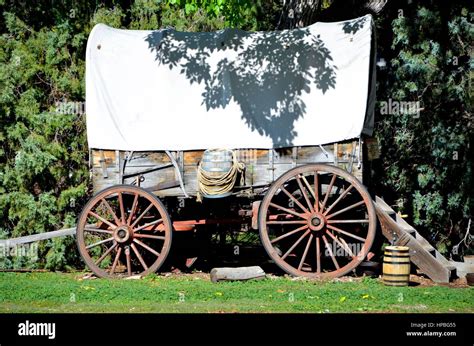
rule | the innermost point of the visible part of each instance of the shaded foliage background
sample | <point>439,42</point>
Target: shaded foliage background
<point>425,167</point>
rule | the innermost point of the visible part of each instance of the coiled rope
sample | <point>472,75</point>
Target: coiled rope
<point>211,183</point>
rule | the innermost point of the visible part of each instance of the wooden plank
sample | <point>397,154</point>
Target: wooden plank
<point>281,168</point>
<point>172,192</point>
<point>192,157</point>
<point>283,155</point>
<point>148,158</point>
<point>263,166</point>
<point>165,185</point>
<point>385,207</point>
<point>405,225</point>
<point>315,155</point>
<point>37,237</point>
<point>152,178</point>
<point>103,165</point>
<point>109,156</point>
<point>138,159</point>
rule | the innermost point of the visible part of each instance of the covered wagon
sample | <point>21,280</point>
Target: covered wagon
<point>214,130</point>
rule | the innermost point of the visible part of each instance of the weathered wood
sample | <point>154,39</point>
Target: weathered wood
<point>462,268</point>
<point>421,255</point>
<point>262,166</point>
<point>37,237</point>
<point>237,274</point>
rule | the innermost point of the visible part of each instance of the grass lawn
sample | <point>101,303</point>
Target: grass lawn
<point>68,292</point>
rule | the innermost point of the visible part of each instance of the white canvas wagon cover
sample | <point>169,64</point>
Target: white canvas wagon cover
<point>170,90</point>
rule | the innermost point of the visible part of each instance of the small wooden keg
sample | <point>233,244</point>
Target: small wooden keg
<point>396,266</point>
<point>217,161</point>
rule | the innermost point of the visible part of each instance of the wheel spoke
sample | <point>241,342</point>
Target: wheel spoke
<point>129,264</point>
<point>134,206</point>
<point>345,247</point>
<point>102,219</point>
<point>288,210</point>
<point>355,205</point>
<point>303,191</point>
<point>151,236</point>
<point>305,253</point>
<point>111,211</point>
<point>295,244</point>
<point>117,255</point>
<point>349,221</point>
<point>122,209</point>
<point>316,191</point>
<point>106,253</point>
<point>318,256</point>
<point>328,192</point>
<point>142,244</point>
<point>134,248</point>
<point>328,247</point>
<point>99,242</point>
<point>98,230</point>
<point>341,239</point>
<point>346,233</point>
<point>148,225</point>
<point>308,186</point>
<point>289,233</point>
<point>294,199</point>
<point>343,194</point>
<point>286,222</point>
<point>141,215</point>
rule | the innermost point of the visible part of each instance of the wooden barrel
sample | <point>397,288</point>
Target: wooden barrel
<point>215,164</point>
<point>217,161</point>
<point>396,266</point>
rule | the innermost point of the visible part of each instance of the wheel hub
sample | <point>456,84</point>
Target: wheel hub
<point>122,234</point>
<point>316,222</point>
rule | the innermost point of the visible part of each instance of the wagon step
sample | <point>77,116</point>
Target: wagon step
<point>429,260</point>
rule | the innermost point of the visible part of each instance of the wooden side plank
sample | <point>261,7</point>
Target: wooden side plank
<point>262,166</point>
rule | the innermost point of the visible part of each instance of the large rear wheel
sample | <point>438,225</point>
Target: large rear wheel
<point>317,221</point>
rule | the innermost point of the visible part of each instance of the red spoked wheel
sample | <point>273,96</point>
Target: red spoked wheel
<point>122,231</point>
<point>317,221</point>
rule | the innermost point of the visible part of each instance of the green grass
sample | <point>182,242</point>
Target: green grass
<point>55,292</point>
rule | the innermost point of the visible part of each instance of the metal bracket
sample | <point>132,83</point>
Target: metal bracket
<point>178,172</point>
<point>103,166</point>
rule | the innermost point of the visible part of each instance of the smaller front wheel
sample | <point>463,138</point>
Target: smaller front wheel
<point>122,231</point>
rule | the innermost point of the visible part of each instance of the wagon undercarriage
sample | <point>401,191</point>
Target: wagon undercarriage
<point>314,220</point>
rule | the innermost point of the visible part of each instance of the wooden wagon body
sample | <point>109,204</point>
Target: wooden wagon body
<point>262,167</point>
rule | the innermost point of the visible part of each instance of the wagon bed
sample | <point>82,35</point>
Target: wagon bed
<point>262,166</point>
